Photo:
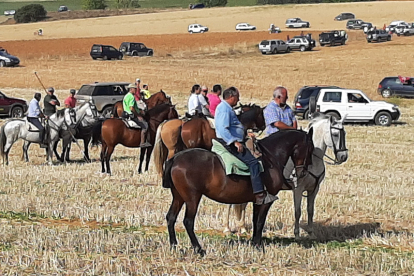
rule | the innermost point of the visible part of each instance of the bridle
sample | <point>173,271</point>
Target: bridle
<point>342,146</point>
<point>57,128</point>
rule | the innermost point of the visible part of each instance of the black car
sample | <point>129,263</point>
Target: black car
<point>344,16</point>
<point>332,38</point>
<point>105,52</point>
<point>301,101</point>
<point>197,6</point>
<point>7,60</point>
<point>12,107</point>
<point>135,49</point>
<point>396,86</point>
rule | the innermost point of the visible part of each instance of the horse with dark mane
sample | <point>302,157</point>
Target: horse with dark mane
<point>192,173</point>
<point>176,135</point>
<point>114,131</point>
<point>156,99</point>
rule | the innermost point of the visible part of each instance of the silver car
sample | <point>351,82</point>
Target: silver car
<point>273,46</point>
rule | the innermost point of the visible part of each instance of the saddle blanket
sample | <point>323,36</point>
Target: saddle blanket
<point>212,122</point>
<point>31,127</point>
<point>130,123</point>
<point>231,163</point>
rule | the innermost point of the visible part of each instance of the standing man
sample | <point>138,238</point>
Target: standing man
<point>214,99</point>
<point>70,101</point>
<point>33,115</point>
<point>277,114</point>
<point>50,102</point>
<point>132,111</point>
<point>137,94</point>
<point>230,133</point>
<point>196,102</point>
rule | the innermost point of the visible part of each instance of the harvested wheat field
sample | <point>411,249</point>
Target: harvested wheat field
<point>68,219</point>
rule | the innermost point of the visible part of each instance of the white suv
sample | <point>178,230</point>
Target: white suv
<point>297,23</point>
<point>197,28</point>
<point>356,106</point>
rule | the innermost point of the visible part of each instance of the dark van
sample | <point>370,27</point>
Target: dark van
<point>105,52</point>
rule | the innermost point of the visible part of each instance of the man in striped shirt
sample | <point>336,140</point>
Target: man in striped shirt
<point>278,115</point>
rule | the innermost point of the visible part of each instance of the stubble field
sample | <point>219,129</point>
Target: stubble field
<point>68,219</point>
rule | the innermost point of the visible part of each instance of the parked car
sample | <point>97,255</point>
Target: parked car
<point>333,38</point>
<point>273,46</point>
<point>302,43</point>
<point>393,86</point>
<point>357,24</point>
<point>10,12</point>
<point>357,107</point>
<point>344,16</point>
<point>302,97</point>
<point>197,28</point>
<point>7,59</point>
<point>12,107</point>
<point>297,23</point>
<point>405,29</point>
<point>197,6</point>
<point>105,52</point>
<point>245,27</point>
<point>378,35</point>
<point>103,94</point>
<point>394,24</point>
<point>135,49</point>
<point>63,9</point>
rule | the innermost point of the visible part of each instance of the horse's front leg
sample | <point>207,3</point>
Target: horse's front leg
<point>259,219</point>
<point>58,157</point>
<point>25,155</point>
<point>227,210</point>
<point>148,158</point>
<point>189,218</point>
<point>297,199</point>
<point>86,142</point>
<point>141,159</point>
<point>311,208</point>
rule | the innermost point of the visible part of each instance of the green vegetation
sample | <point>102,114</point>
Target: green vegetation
<point>30,13</point>
<point>214,3</point>
<point>94,4</point>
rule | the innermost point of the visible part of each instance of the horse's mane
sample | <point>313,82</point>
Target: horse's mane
<point>60,113</point>
<point>316,118</point>
<point>158,108</point>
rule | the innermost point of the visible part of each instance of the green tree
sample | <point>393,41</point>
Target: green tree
<point>94,4</point>
<point>125,4</point>
<point>30,13</point>
<point>214,3</point>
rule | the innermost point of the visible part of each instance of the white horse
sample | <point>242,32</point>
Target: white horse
<point>327,133</point>
<point>86,117</point>
<point>16,129</point>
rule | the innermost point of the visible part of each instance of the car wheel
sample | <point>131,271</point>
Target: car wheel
<point>274,51</point>
<point>120,57</point>
<point>334,115</point>
<point>2,63</point>
<point>288,50</point>
<point>17,112</point>
<point>383,118</point>
<point>94,58</point>
<point>263,53</point>
<point>191,32</point>
<point>306,115</point>
<point>322,44</point>
<point>107,112</point>
<point>398,34</point>
<point>302,48</point>
<point>105,58</point>
<point>150,53</point>
<point>386,93</point>
<point>388,38</point>
<point>134,53</point>
<point>201,31</point>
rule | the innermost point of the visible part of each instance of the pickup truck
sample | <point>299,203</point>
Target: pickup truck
<point>355,106</point>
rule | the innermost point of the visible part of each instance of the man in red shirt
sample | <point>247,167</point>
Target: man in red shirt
<point>70,101</point>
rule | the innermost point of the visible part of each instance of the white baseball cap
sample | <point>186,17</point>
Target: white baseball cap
<point>138,80</point>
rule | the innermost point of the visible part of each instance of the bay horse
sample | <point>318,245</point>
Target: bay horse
<point>192,173</point>
<point>16,129</point>
<point>176,135</point>
<point>114,131</point>
<point>327,133</point>
<point>155,99</point>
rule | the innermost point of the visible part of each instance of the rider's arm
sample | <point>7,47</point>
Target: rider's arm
<point>222,121</point>
<point>281,125</point>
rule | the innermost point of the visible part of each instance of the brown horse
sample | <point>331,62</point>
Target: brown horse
<point>175,135</point>
<point>114,131</point>
<point>192,173</point>
<point>155,99</point>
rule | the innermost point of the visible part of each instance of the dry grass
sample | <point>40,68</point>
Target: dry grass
<point>67,219</point>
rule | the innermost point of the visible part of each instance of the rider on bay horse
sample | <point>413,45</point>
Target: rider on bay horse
<point>133,112</point>
<point>230,133</point>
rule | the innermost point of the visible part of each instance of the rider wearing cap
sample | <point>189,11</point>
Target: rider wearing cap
<point>50,102</point>
<point>230,133</point>
<point>133,112</point>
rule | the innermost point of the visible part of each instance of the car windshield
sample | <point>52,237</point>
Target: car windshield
<point>86,90</point>
<point>264,43</point>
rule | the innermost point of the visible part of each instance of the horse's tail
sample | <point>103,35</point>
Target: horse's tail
<point>3,140</point>
<point>167,181</point>
<point>97,133</point>
<point>115,110</point>
<point>160,151</point>
<point>179,145</point>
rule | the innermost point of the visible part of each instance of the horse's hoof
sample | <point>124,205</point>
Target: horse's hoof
<point>243,231</point>
<point>201,252</point>
<point>227,231</point>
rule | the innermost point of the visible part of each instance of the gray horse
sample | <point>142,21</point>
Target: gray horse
<point>16,129</point>
<point>327,133</point>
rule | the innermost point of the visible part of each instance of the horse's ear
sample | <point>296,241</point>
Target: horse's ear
<point>332,119</point>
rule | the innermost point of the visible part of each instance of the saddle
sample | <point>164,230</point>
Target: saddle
<point>187,117</point>
<point>231,163</point>
<point>130,123</point>
<point>31,127</point>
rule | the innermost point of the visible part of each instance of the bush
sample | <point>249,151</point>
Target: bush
<point>214,3</point>
<point>94,4</point>
<point>125,4</point>
<point>30,13</point>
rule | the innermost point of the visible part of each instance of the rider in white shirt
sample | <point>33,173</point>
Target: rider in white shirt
<point>196,102</point>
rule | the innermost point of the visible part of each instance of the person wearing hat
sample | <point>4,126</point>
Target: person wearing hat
<point>34,113</point>
<point>50,102</point>
<point>133,112</point>
<point>70,101</point>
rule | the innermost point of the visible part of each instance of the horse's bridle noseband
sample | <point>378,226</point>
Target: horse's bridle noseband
<point>342,146</point>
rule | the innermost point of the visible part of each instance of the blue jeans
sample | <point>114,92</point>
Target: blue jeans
<point>253,164</point>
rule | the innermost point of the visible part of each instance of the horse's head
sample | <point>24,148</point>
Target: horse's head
<point>335,139</point>
<point>70,117</point>
<point>173,114</point>
<point>252,117</point>
<point>91,113</point>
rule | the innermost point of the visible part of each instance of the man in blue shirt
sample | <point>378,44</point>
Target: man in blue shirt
<point>230,133</point>
<point>277,114</point>
<point>34,113</point>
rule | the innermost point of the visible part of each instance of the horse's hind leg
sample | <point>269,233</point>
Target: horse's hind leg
<point>311,208</point>
<point>141,159</point>
<point>103,155</point>
<point>190,214</point>
<point>297,199</point>
<point>259,219</point>
<point>148,158</point>
<point>227,219</point>
<point>108,154</point>
<point>172,214</point>
<point>25,156</point>
<point>240,212</point>
<point>86,142</point>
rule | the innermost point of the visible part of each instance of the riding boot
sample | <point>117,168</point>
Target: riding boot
<point>264,198</point>
<point>43,144</point>
<point>144,142</point>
